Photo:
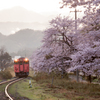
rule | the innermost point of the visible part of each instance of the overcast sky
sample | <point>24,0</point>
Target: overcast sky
<point>39,6</point>
<point>44,7</point>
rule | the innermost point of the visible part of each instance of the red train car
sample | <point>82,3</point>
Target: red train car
<point>21,67</point>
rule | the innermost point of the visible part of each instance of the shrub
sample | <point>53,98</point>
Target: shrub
<point>95,80</point>
<point>41,76</point>
<point>5,74</point>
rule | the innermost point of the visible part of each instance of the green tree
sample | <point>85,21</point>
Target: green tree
<point>5,59</point>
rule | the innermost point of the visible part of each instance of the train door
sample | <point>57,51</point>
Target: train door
<point>21,66</point>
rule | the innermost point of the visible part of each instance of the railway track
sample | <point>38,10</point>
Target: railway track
<point>7,81</point>
<point>7,86</point>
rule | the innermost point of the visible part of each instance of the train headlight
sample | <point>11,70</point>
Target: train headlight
<point>16,60</point>
<point>26,59</point>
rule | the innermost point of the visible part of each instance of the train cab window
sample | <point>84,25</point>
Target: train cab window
<point>16,62</point>
<point>26,62</point>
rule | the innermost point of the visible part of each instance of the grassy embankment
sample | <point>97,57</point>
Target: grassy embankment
<point>61,89</point>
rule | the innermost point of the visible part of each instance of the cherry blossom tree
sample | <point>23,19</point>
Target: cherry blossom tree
<point>75,3</point>
<point>61,43</point>
<point>87,54</point>
<point>87,59</point>
<point>48,59</point>
<point>57,43</point>
<point>91,19</point>
<point>61,31</point>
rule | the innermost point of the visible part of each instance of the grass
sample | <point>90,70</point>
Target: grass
<point>64,88</point>
<point>2,87</point>
<point>37,92</point>
<point>61,89</point>
<point>31,72</point>
<point>0,80</point>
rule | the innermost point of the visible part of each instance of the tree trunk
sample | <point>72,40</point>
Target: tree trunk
<point>52,81</point>
<point>77,75</point>
<point>90,79</point>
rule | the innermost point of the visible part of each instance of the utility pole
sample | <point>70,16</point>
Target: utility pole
<point>75,18</point>
<point>77,71</point>
<point>62,73</point>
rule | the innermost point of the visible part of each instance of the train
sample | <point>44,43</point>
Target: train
<point>21,67</point>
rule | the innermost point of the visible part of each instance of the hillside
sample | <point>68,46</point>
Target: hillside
<point>21,40</point>
<point>20,14</point>
<point>16,18</point>
<point>7,28</point>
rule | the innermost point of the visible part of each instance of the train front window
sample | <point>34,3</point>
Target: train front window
<point>26,62</point>
<point>16,62</point>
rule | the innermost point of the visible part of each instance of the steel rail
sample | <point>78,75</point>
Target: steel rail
<point>7,81</point>
<point>6,88</point>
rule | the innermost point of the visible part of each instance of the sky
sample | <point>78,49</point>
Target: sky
<point>44,7</point>
<point>39,6</point>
